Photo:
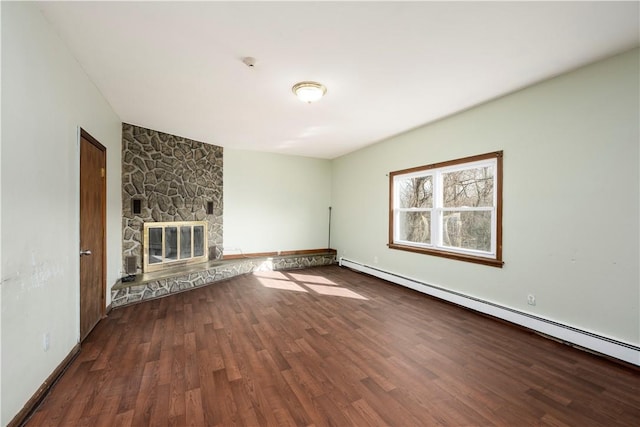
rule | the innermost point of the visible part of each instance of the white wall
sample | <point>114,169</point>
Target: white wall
<point>571,198</point>
<point>46,97</point>
<point>274,202</point>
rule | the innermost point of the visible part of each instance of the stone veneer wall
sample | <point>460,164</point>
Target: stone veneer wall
<point>174,177</point>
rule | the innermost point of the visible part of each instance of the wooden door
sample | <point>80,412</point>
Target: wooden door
<point>92,232</point>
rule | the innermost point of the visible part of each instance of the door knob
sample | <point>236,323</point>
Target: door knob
<point>87,252</point>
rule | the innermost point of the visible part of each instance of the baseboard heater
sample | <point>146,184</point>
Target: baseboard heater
<point>568,334</point>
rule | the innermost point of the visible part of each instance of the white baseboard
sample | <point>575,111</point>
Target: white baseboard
<point>600,344</point>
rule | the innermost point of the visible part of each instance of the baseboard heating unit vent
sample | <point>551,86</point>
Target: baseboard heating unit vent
<point>597,343</point>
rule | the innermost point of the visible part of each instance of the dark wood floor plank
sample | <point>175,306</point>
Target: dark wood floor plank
<point>370,416</point>
<point>177,387</point>
<point>194,413</point>
<point>160,409</point>
<point>305,399</point>
<point>147,397</point>
<point>124,419</point>
<point>395,413</point>
<point>108,412</point>
<point>225,410</point>
<point>246,411</point>
<point>278,349</point>
<point>228,357</point>
<point>191,374</point>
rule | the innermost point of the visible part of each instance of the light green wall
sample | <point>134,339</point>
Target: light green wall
<point>571,198</point>
<point>46,96</point>
<point>274,202</point>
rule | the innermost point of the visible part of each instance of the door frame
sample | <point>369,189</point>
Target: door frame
<point>103,219</point>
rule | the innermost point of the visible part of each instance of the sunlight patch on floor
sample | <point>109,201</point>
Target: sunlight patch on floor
<point>308,278</point>
<point>298,282</point>
<point>285,285</point>
<point>334,291</point>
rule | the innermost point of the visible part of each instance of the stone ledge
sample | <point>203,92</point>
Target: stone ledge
<point>155,285</point>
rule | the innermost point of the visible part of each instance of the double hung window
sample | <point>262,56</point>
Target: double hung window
<point>451,209</point>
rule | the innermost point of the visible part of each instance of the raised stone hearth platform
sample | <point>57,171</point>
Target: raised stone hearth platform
<point>154,285</point>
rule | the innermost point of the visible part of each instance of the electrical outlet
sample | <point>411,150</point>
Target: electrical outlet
<point>45,341</point>
<point>531,299</point>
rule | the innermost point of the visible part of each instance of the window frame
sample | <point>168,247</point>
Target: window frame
<point>436,170</point>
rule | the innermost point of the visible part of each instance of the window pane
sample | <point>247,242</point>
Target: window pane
<point>415,192</point>
<point>155,245</point>
<point>171,243</point>
<point>467,230</point>
<point>468,188</point>
<point>185,242</point>
<point>415,227</point>
<point>198,241</point>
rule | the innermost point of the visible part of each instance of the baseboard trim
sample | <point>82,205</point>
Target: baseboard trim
<point>597,343</point>
<point>33,403</point>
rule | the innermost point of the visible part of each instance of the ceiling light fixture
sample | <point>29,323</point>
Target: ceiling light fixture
<point>309,91</point>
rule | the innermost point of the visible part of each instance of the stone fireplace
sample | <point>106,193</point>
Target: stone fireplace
<point>167,178</point>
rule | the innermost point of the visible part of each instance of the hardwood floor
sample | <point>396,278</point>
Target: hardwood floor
<point>328,346</point>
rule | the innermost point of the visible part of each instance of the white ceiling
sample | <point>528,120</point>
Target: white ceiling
<point>389,66</point>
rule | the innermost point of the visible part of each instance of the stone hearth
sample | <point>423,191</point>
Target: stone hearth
<point>158,284</point>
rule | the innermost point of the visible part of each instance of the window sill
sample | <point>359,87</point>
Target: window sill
<point>451,255</point>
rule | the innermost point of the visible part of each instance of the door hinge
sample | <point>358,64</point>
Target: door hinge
<point>102,172</point>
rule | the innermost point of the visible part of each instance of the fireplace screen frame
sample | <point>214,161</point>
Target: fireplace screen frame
<point>170,260</point>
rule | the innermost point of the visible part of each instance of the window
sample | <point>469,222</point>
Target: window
<point>451,209</point>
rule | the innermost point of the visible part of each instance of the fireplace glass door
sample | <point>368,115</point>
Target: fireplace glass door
<point>169,244</point>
